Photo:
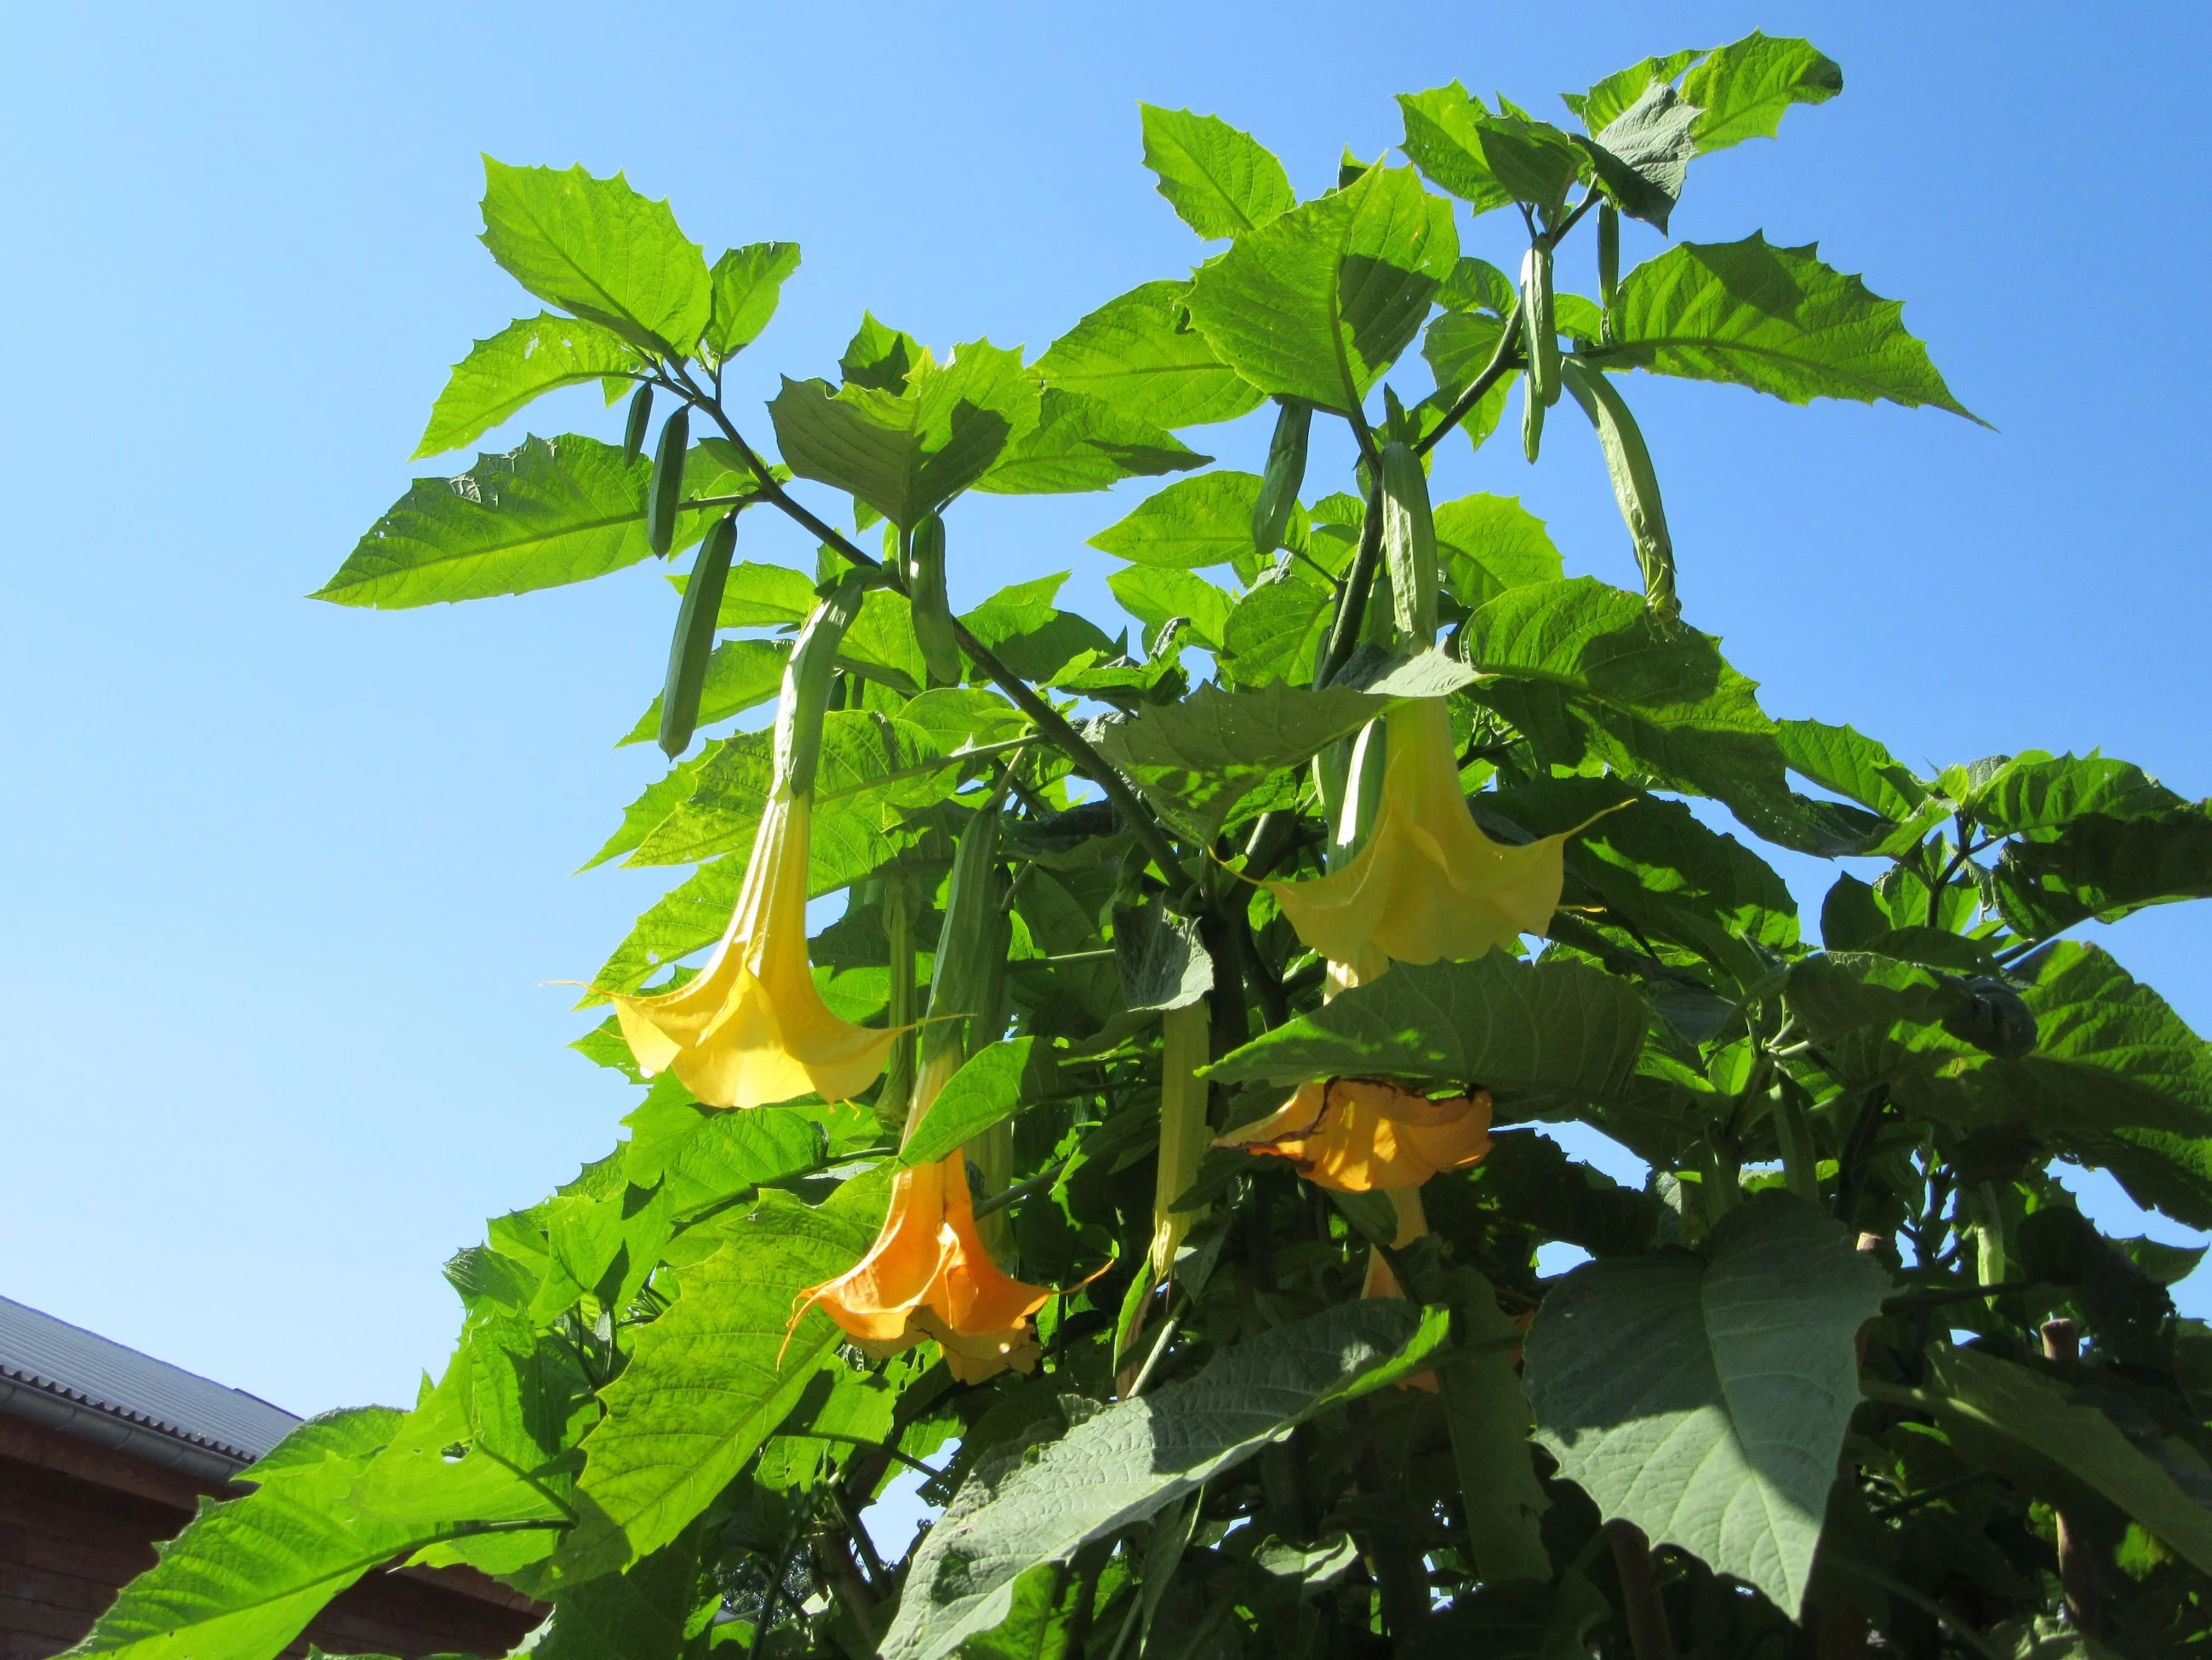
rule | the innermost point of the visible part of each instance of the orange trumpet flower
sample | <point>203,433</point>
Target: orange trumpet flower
<point>929,1275</point>
<point>1357,1136</point>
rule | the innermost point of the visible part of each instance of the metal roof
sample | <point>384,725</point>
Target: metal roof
<point>60,1374</point>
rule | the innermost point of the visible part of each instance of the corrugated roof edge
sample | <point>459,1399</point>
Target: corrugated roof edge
<point>143,1421</point>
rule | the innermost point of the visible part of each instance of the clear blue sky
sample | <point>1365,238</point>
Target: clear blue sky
<point>284,880</point>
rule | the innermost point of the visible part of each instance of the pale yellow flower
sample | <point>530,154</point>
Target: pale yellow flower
<point>1426,884</point>
<point>751,1029</point>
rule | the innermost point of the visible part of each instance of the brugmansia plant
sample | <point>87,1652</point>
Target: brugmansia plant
<point>1152,1155</point>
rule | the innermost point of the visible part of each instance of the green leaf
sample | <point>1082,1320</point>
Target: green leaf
<point>988,1090</point>
<point>1276,630</point>
<point>1045,1615</point>
<point>1197,759</point>
<point>1084,443</point>
<point>1746,88</point>
<point>1130,1461</point>
<point>1486,160</point>
<point>1603,102</point>
<point>1852,764</point>
<point>644,1613</point>
<point>1139,354</point>
<point>1154,594</point>
<point>1319,302</point>
<point>1588,674</point>
<point>246,1577</point>
<point>1643,155</point>
<point>1488,1419</point>
<point>2104,867</point>
<point>880,357</point>
<point>1221,182</point>
<point>711,1378</point>
<point>1557,1030</point>
<point>1775,319</point>
<point>1488,543</point>
<point>661,797</point>
<point>555,511</point>
<point>2111,1055</point>
<point>1675,1393</point>
<point>1021,627</point>
<point>598,249</point>
<point>742,674</point>
<point>870,763</point>
<point>1458,347</point>
<point>2036,791</point>
<point>762,596</point>
<point>1192,524</point>
<point>2043,1419</point>
<point>523,362</point>
<point>747,283</point>
<point>908,454</point>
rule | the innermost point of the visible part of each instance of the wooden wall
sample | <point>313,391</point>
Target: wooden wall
<point>77,1521</point>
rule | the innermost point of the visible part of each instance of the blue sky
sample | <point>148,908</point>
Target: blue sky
<point>286,880</point>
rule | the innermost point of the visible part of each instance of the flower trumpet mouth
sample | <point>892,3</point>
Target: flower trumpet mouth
<point>929,1275</point>
<point>1359,1135</point>
<point>1426,884</point>
<point>751,1029</point>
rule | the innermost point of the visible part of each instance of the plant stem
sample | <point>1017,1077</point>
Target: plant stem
<point>1352,607</point>
<point>1649,1633</point>
<point>2078,1561</point>
<point>1501,362</point>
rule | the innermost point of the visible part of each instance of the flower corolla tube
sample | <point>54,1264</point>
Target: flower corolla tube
<point>1426,884</point>
<point>750,1028</point>
<point>1358,1136</point>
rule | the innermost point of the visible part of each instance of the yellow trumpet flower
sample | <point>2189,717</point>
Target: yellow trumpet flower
<point>1359,1136</point>
<point>1426,884</point>
<point>751,1029</point>
<point>929,1275</point>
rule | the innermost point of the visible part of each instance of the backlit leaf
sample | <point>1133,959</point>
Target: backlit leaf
<point>1220,181</point>
<point>523,362</point>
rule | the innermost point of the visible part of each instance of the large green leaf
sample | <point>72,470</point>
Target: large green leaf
<point>1192,524</point>
<point>1139,354</point>
<point>2036,791</point>
<point>907,454</point>
<point>247,1575</point>
<point>1589,674</point>
<point>711,1378</point>
<point>1486,160</point>
<point>598,249</point>
<point>1747,88</point>
<point>2103,866</point>
<point>1642,154</point>
<point>1852,764</point>
<point>557,510</point>
<point>1221,182</point>
<point>1024,630</point>
<point>1775,319</point>
<point>747,283</point>
<point>871,762</point>
<point>639,1615</point>
<point>2116,1077</point>
<point>1197,759</point>
<point>1275,631</point>
<point>1555,1031</point>
<point>1128,1463</point>
<point>1606,101</point>
<point>523,362</point>
<point>1488,543</point>
<point>1084,443</point>
<point>1319,302</point>
<point>1153,594</point>
<point>742,674</point>
<point>985,1091</point>
<point>2168,1493</point>
<point>1706,1400</point>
